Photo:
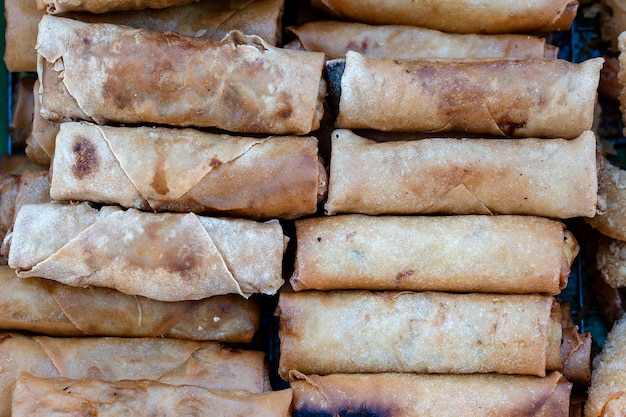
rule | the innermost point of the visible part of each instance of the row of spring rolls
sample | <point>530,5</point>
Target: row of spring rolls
<point>281,91</point>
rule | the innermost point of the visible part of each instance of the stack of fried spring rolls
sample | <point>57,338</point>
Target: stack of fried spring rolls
<point>413,324</point>
<point>185,246</point>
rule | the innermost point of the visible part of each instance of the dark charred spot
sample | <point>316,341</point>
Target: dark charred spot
<point>361,47</point>
<point>85,158</point>
<point>509,127</point>
<point>215,162</point>
<point>159,179</point>
<point>285,110</point>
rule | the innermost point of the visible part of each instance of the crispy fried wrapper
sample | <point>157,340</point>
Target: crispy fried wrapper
<point>327,332</point>
<point>612,221</point>
<point>186,170</point>
<point>40,145</point>
<point>459,16</point>
<point>444,395</point>
<point>497,254</point>
<point>611,261</point>
<point>548,98</point>
<point>90,396</point>
<point>336,38</point>
<point>21,124</point>
<point>554,178</point>
<point>111,73</point>
<point>47,307</point>
<point>164,256</point>
<point>203,19</point>
<point>103,6</point>
<point>173,361</point>
<point>607,391</point>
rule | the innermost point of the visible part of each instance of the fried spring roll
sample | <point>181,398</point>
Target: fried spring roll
<point>67,397</point>
<point>110,73</point>
<point>21,125</point>
<point>548,178</point>
<point>186,170</point>
<point>336,38</point>
<point>611,261</point>
<point>48,307</point>
<point>606,394</point>
<point>497,254</point>
<point>326,332</point>
<point>399,395</point>
<point>43,135</point>
<point>612,220</point>
<point>164,256</point>
<point>203,19</point>
<point>103,6</point>
<point>465,16</point>
<point>546,98</point>
<point>173,361</point>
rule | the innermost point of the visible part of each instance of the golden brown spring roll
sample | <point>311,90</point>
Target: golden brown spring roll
<point>110,73</point>
<point>164,256</point>
<point>103,6</point>
<point>186,170</point>
<point>173,361</point>
<point>68,397</point>
<point>399,395</point>
<point>549,178</point>
<point>336,38</point>
<point>612,221</point>
<point>47,307</point>
<point>607,391</point>
<point>496,254</point>
<point>9,186</point>
<point>326,332</point>
<point>465,16</point>
<point>547,98</point>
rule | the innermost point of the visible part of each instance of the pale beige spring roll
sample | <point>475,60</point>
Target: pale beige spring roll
<point>607,391</point>
<point>40,145</point>
<point>164,256</point>
<point>326,332</point>
<point>172,361</point>
<point>462,16</point>
<point>546,98</point>
<point>67,397</point>
<point>549,178</point>
<point>186,170</point>
<point>399,395</point>
<point>47,307</point>
<point>336,38</point>
<point>497,254</point>
<point>111,73</point>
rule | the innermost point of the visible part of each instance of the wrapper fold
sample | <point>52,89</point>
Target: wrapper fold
<point>185,170</point>
<point>164,256</point>
<point>553,178</point>
<point>115,74</point>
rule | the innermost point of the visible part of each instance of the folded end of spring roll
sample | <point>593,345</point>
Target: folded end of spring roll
<point>396,395</point>
<point>612,220</point>
<point>89,395</point>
